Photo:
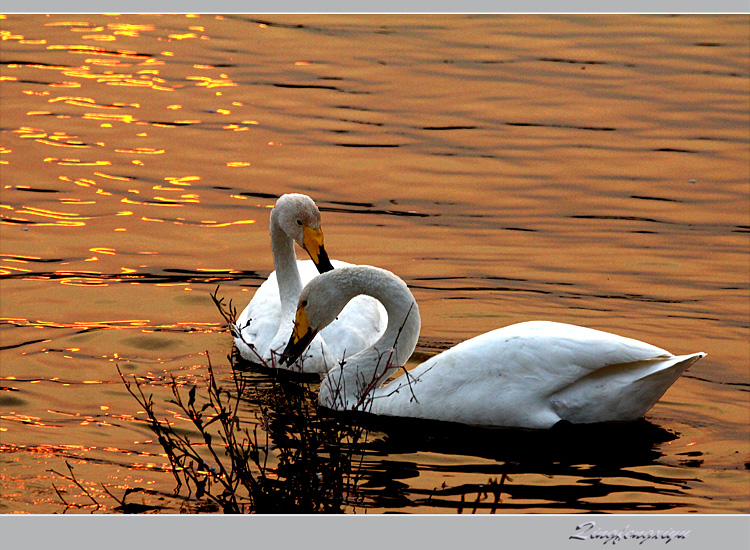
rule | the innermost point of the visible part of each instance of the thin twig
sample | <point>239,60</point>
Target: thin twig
<point>72,478</point>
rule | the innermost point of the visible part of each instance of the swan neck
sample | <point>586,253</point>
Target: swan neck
<point>348,385</point>
<point>285,263</point>
<point>404,322</point>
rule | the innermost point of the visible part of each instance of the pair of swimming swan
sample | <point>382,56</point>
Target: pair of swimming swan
<point>263,327</point>
<point>528,375</point>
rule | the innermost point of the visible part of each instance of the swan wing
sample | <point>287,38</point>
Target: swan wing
<point>625,391</point>
<point>259,321</point>
<point>529,375</point>
<point>358,326</point>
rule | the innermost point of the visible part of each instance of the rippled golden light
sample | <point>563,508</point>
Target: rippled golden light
<point>81,101</point>
<point>55,143</point>
<point>65,219</point>
<point>108,63</point>
<point>172,202</point>
<point>8,270</point>
<point>95,50</point>
<point>67,24</point>
<point>130,27</point>
<point>99,37</point>
<point>226,224</point>
<point>75,201</point>
<point>211,82</point>
<point>111,177</point>
<point>183,198</point>
<point>184,36</point>
<point>109,324</point>
<point>19,256</point>
<point>126,119</point>
<point>152,61</point>
<point>185,180</point>
<point>141,151</point>
<point>76,162</point>
<point>7,35</point>
<point>30,133</point>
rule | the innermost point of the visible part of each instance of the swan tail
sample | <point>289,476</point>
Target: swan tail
<point>620,392</point>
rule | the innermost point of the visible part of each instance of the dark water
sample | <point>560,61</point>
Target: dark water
<point>584,169</point>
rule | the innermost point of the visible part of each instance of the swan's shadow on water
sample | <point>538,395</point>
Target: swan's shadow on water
<point>256,370</point>
<point>618,444</point>
<point>572,468</point>
<point>585,468</point>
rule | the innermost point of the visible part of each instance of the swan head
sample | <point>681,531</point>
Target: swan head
<point>302,335</point>
<point>319,304</point>
<point>299,217</point>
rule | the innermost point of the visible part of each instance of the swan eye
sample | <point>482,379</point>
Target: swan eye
<point>299,222</point>
<point>304,303</point>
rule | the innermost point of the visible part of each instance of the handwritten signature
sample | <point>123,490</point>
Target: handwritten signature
<point>589,531</point>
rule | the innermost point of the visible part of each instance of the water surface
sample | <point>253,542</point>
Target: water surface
<point>584,169</point>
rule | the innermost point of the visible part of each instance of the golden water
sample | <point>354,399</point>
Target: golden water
<point>585,169</point>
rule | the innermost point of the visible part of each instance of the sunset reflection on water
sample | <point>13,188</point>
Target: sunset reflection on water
<point>583,169</point>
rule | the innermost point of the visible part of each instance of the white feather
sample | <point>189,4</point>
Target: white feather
<point>529,375</point>
<point>267,320</point>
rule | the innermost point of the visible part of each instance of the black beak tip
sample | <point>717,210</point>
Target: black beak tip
<point>291,353</point>
<point>323,264</point>
<point>293,350</point>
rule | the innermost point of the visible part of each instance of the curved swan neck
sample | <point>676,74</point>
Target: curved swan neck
<point>285,263</point>
<point>404,322</point>
<point>347,385</point>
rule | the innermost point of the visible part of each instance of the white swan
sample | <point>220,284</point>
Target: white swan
<point>264,325</point>
<point>529,375</point>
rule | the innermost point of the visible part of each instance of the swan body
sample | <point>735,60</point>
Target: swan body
<point>529,375</point>
<point>264,325</point>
